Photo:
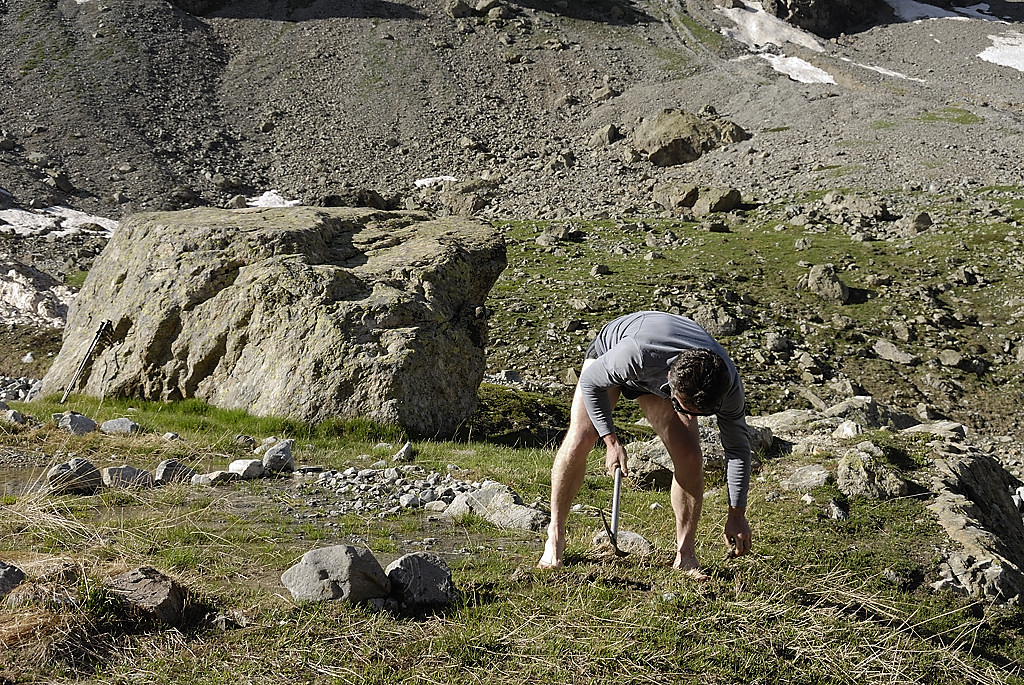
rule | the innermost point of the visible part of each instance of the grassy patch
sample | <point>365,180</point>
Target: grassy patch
<point>950,115</point>
<point>820,601</point>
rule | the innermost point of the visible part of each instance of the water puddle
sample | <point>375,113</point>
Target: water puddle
<point>21,480</point>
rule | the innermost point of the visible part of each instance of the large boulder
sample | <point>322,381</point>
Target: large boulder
<point>975,506</point>
<point>302,312</point>
<point>674,137</point>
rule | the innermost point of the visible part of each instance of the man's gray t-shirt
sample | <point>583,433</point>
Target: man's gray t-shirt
<point>634,353</point>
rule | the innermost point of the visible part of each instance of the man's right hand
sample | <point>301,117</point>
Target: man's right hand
<point>615,455</point>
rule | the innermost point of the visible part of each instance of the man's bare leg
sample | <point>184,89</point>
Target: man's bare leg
<point>567,472</point>
<point>682,440</point>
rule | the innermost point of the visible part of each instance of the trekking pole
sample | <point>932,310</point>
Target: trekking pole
<point>104,327</point>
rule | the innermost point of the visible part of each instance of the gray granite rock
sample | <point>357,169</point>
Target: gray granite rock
<point>247,469</point>
<point>214,478</point>
<point>500,506</point>
<point>806,478</point>
<point>172,471</point>
<point>152,592</point>
<point>278,457</point>
<point>126,477</point>
<point>421,580</point>
<point>338,572</point>
<point>75,477</point>
<point>75,423</point>
<point>121,426</point>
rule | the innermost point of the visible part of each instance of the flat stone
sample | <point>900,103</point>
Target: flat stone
<point>126,477</point>
<point>247,469</point>
<point>628,541</point>
<point>807,478</point>
<point>122,426</point>
<point>215,478</point>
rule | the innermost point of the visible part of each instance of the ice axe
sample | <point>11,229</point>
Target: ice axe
<point>612,531</point>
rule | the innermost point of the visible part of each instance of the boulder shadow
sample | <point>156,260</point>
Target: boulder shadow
<point>300,10</point>
<point>603,11</point>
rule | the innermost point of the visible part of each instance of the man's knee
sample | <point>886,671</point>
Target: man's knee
<point>581,433</point>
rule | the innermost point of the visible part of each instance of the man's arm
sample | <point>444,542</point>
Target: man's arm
<point>612,369</point>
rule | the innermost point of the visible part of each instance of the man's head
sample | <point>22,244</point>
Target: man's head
<point>699,380</point>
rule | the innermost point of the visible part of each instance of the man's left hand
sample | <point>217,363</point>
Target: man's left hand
<point>737,531</point>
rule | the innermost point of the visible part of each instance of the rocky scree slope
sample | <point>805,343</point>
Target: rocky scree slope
<point>116,107</point>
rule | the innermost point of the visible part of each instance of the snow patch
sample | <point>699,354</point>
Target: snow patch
<point>882,70</point>
<point>909,10</point>
<point>1007,50</point>
<point>54,221</point>
<point>756,28</point>
<point>433,180</point>
<point>271,198</point>
<point>797,69</point>
<point>31,298</point>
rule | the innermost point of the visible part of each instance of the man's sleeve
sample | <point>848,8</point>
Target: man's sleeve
<point>612,369</point>
<point>732,428</point>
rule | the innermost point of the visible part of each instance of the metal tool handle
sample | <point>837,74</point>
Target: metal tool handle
<point>103,328</point>
<point>614,527</point>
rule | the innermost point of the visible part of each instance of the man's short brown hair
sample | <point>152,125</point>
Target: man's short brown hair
<point>700,378</point>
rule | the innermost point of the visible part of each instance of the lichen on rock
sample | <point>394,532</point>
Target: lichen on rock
<point>302,312</point>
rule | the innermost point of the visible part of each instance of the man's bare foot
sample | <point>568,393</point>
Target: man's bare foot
<point>553,550</point>
<point>687,563</point>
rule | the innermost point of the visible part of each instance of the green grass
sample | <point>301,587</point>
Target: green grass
<point>950,115</point>
<point>753,272</point>
<point>820,601</point>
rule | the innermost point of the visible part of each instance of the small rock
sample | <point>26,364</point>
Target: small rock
<point>246,442</point>
<point>214,478</point>
<point>75,423</point>
<point>10,577</point>
<point>627,541</point>
<point>421,580</point>
<point>122,426</point>
<point>75,477</point>
<point>172,471</point>
<point>154,593</point>
<point>126,477</point>
<point>247,469</point>
<point>338,572</point>
<point>278,457</point>
<point>406,454</point>
<point>806,478</point>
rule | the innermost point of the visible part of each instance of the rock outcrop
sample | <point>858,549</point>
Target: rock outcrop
<point>303,312</point>
<point>827,19</point>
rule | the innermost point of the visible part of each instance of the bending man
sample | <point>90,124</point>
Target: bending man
<point>677,372</point>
